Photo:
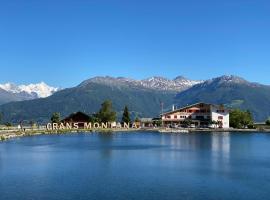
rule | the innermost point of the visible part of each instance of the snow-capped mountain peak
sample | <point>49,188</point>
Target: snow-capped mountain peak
<point>156,82</point>
<point>180,83</point>
<point>39,90</point>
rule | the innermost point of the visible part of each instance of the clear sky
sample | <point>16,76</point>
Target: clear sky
<point>63,42</point>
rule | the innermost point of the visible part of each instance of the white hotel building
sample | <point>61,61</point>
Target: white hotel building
<point>200,115</point>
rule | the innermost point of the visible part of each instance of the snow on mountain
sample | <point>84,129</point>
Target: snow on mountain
<point>178,84</point>
<point>228,80</point>
<point>39,90</point>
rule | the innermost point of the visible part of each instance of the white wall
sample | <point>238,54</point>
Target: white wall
<point>215,116</point>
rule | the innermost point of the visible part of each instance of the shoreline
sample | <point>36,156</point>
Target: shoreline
<point>9,134</point>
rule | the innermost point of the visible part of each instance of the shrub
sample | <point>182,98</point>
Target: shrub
<point>2,138</point>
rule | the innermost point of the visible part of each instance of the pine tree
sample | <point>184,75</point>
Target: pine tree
<point>55,118</point>
<point>106,112</point>
<point>137,119</point>
<point>126,116</point>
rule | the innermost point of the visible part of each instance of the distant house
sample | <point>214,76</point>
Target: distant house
<point>199,115</point>
<point>146,122</point>
<point>78,117</point>
<point>149,122</point>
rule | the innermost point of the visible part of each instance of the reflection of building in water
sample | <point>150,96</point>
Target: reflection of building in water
<point>185,147</point>
<point>221,143</point>
<point>210,150</point>
<point>221,147</point>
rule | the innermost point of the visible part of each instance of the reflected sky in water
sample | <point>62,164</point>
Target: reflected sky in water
<point>136,166</point>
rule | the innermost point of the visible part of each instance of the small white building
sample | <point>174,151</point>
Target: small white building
<point>199,115</point>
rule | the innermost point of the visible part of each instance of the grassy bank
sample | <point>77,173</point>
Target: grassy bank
<point>8,134</point>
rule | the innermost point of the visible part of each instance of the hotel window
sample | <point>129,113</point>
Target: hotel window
<point>220,111</point>
<point>175,116</point>
<point>199,117</point>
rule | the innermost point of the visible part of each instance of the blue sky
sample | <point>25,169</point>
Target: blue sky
<point>63,42</point>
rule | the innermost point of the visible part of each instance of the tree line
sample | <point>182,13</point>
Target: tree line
<point>238,118</point>
<point>105,114</point>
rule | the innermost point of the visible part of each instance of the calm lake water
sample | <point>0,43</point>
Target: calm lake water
<point>136,166</point>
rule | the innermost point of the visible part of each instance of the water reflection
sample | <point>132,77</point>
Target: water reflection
<point>136,166</point>
<point>220,151</point>
<point>191,148</point>
<point>106,139</point>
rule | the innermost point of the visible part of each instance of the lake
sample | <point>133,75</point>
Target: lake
<point>138,165</point>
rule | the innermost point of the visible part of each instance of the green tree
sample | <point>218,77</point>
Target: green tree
<point>213,122</point>
<point>106,112</point>
<point>2,138</point>
<point>247,119</point>
<point>93,118</point>
<point>235,118</point>
<point>137,119</point>
<point>268,122</point>
<point>8,125</point>
<point>157,123</point>
<point>55,118</point>
<point>240,119</point>
<point>187,122</point>
<point>126,116</point>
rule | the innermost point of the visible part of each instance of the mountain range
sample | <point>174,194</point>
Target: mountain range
<point>233,92</point>
<point>10,92</point>
<point>143,97</point>
<point>177,84</point>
